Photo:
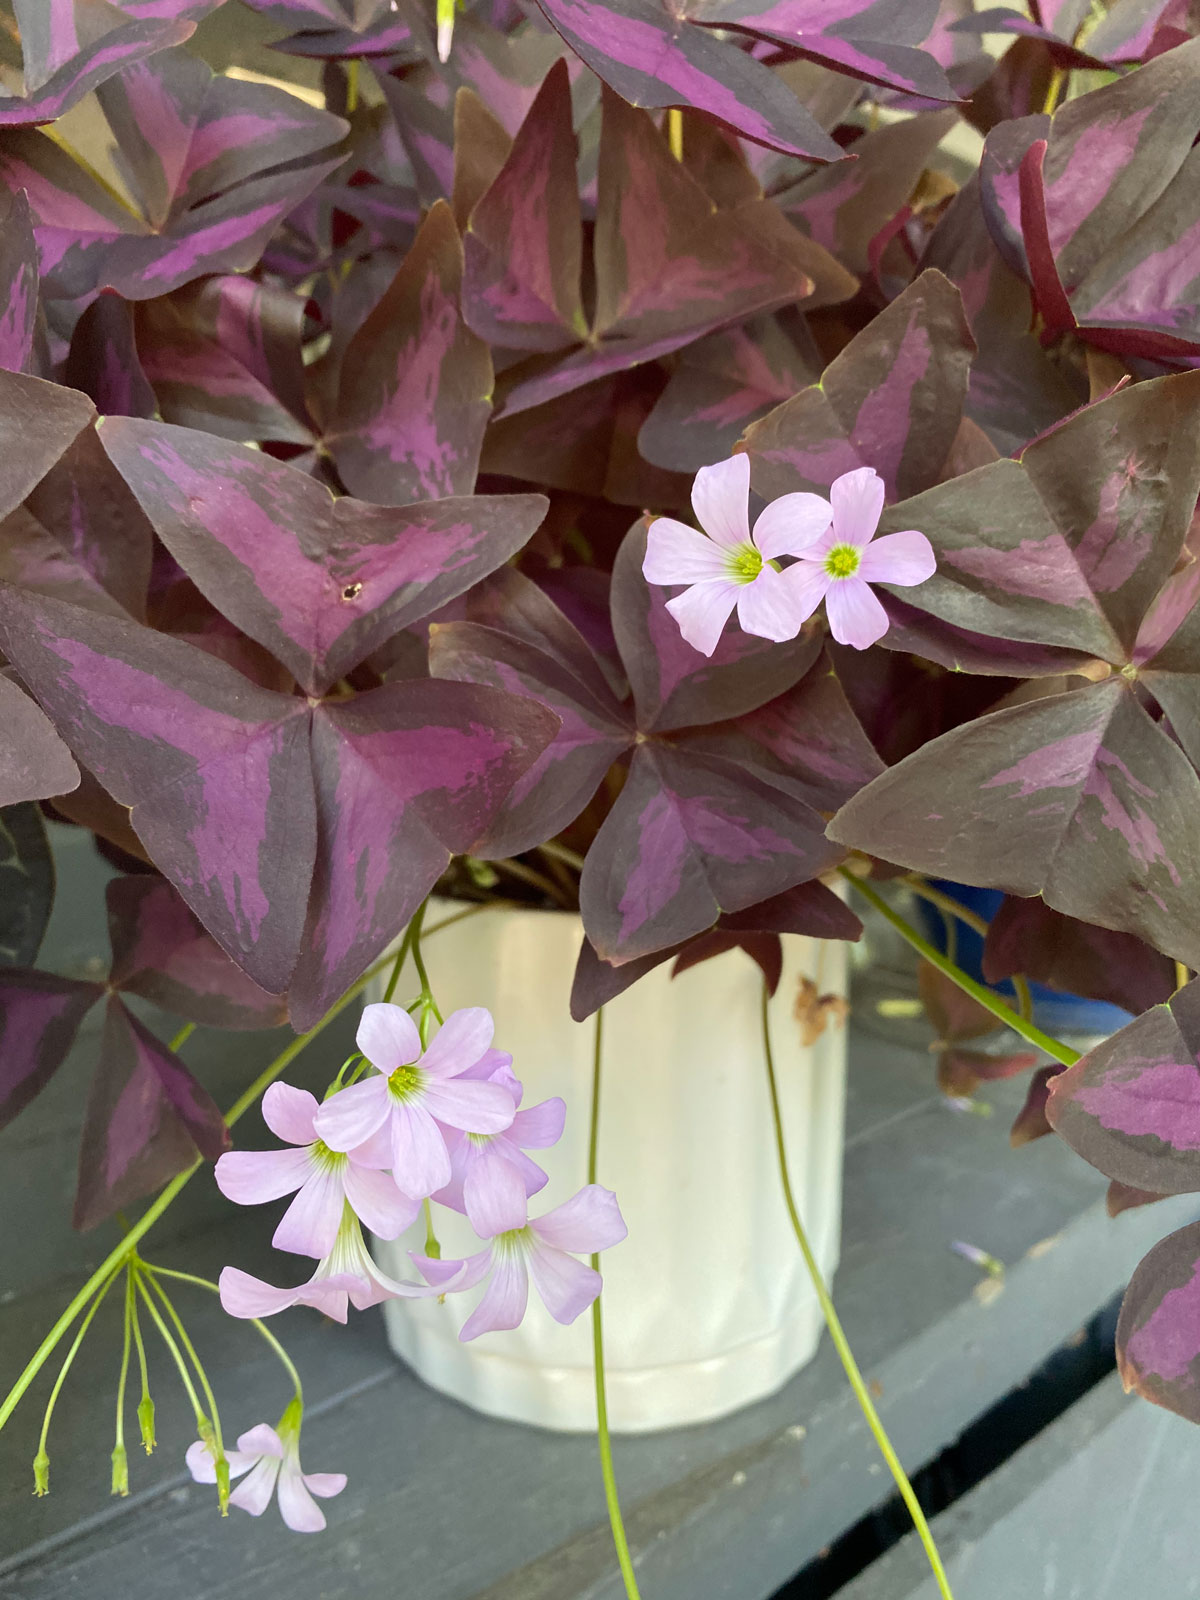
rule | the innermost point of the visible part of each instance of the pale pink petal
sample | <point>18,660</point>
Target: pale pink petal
<point>250,1177</point>
<point>326,1484</point>
<point>420,1160</point>
<point>720,497</point>
<point>540,1126</point>
<point>203,1468</point>
<point>309,1225</point>
<point>702,612</point>
<point>378,1203</point>
<point>494,1195</point>
<point>496,1066</point>
<point>904,558</point>
<point>254,1492</point>
<point>475,1107</point>
<point>244,1296</point>
<point>297,1507</point>
<point>388,1037</point>
<point>459,1043</point>
<point>330,1296</point>
<point>351,1116</point>
<point>767,607</point>
<point>857,501</point>
<point>377,1150</point>
<point>676,553</point>
<point>590,1220</point>
<point>289,1113</point>
<point>806,583</point>
<point>260,1440</point>
<point>566,1286</point>
<point>791,524</point>
<point>532,1175</point>
<point>462,1153</point>
<point>463,1274</point>
<point>855,615</point>
<point>503,1303</point>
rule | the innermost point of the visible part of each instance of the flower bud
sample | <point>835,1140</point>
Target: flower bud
<point>120,1470</point>
<point>145,1416</point>
<point>41,1473</point>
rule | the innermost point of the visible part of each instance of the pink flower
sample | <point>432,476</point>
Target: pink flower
<point>401,1107</point>
<point>326,1179</point>
<point>521,1249</point>
<point>270,1460</point>
<point>730,567</point>
<point>474,1156</point>
<point>844,558</point>
<point>346,1275</point>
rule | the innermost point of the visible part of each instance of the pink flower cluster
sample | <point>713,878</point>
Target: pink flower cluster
<point>838,558</point>
<point>443,1122</point>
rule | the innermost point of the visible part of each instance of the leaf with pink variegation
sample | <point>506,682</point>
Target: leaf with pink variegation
<point>416,383</point>
<point>147,1119</point>
<point>1131,1106</point>
<point>1158,1347</point>
<point>38,422</point>
<point>320,582</point>
<point>18,282</point>
<point>59,66</point>
<point>34,762</point>
<point>103,360</point>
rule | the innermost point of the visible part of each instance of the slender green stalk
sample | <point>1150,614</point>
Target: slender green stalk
<point>182,1037</point>
<point>188,1346</point>
<point>978,991</point>
<point>42,1462</point>
<point>215,1288</point>
<point>433,1245</point>
<point>145,1410</point>
<point>1020,984</point>
<point>603,1437</point>
<point>675,132</point>
<point>398,964</point>
<point>836,1333</point>
<point>120,1480</point>
<point>430,1004</point>
<point>173,1349</point>
<point>560,852</point>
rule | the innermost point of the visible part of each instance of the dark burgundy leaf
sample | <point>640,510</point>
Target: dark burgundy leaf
<point>1158,1331</point>
<point>147,1119</point>
<point>103,360</point>
<point>161,952</point>
<point>39,1018</point>
<point>34,762</point>
<point>1075,957</point>
<point>1031,1120</point>
<point>38,421</point>
<point>26,884</point>
<point>18,281</point>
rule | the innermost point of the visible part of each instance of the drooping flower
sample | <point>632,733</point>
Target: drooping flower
<point>727,566</point>
<point>268,1460</point>
<point>412,1093</point>
<point>521,1249</point>
<point>346,1276</point>
<point>844,559</point>
<point>326,1179</point>
<point>474,1156</point>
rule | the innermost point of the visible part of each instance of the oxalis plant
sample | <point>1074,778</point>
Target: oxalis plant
<point>634,461</point>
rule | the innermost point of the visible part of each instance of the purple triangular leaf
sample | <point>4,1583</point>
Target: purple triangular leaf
<point>39,1018</point>
<point>161,952</point>
<point>217,771</point>
<point>147,1119</point>
<point>320,582</point>
<point>18,281</point>
<point>103,360</point>
<point>38,421</point>
<point>407,775</point>
<point>1158,1343</point>
<point>34,762</point>
<point>26,884</point>
<point>416,383</point>
<point>1131,1106</point>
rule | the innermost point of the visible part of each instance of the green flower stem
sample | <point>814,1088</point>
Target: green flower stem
<point>289,1365</point>
<point>120,1464</point>
<point>182,1037</point>
<point>675,132</point>
<point>560,852</point>
<point>68,1361</point>
<point>145,1410</point>
<point>189,1349</point>
<point>836,1332</point>
<point>401,958</point>
<point>978,991</point>
<point>604,1439</point>
<point>173,1349</point>
<point>433,1247</point>
<point>971,919</point>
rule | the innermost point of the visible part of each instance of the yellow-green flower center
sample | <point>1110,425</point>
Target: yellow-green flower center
<point>745,563</point>
<point>843,561</point>
<point>405,1082</point>
<point>328,1158</point>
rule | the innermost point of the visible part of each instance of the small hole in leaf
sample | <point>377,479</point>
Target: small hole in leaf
<point>352,591</point>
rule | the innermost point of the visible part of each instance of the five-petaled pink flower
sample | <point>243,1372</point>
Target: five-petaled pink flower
<point>267,1460</point>
<point>474,1156</point>
<point>326,1179</point>
<point>412,1092</point>
<point>844,558</point>
<point>730,567</point>
<point>346,1276</point>
<point>521,1249</point>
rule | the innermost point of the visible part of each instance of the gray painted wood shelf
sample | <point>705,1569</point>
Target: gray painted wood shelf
<point>446,1505</point>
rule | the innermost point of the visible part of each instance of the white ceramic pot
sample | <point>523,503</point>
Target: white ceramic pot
<point>707,1305</point>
